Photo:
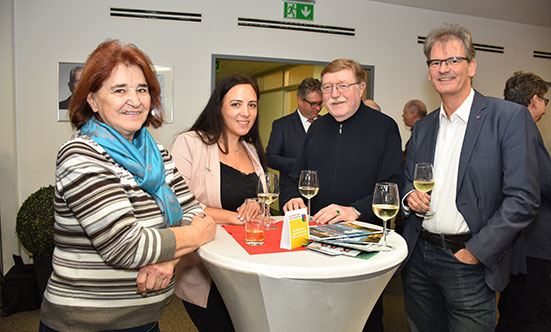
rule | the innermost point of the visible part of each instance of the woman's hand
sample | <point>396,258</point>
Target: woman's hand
<point>189,238</point>
<point>240,218</point>
<point>155,277</point>
<point>205,227</point>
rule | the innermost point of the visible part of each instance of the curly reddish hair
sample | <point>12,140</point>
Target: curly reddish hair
<point>98,69</point>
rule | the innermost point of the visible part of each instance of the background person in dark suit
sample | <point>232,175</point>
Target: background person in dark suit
<point>289,131</point>
<point>523,305</point>
<point>486,192</point>
<point>74,77</point>
<point>414,110</point>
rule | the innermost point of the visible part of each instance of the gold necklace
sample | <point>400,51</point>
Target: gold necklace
<point>238,151</point>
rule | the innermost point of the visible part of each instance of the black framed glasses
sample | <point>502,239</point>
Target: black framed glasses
<point>341,87</point>
<point>319,104</point>
<point>451,61</point>
<point>545,100</point>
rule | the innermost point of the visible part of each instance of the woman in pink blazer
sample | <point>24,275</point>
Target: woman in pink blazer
<point>221,158</point>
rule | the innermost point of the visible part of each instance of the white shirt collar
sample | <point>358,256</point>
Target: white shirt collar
<point>302,117</point>
<point>462,112</point>
<point>304,120</point>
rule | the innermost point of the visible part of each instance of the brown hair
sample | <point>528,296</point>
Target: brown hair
<point>308,85</point>
<point>521,87</point>
<point>341,64</point>
<point>98,68</point>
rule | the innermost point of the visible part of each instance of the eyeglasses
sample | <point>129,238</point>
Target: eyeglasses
<point>545,100</point>
<point>452,61</point>
<point>313,104</point>
<point>341,87</point>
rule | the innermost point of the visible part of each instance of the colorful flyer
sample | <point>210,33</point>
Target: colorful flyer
<point>295,231</point>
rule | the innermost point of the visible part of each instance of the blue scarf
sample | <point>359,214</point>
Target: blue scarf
<point>143,159</point>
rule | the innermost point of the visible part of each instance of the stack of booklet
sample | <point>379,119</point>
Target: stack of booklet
<point>350,238</point>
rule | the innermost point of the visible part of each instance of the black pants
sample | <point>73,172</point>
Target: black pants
<point>525,305</point>
<point>375,321</point>
<point>214,317</point>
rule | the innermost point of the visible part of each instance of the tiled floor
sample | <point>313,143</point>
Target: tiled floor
<point>175,318</point>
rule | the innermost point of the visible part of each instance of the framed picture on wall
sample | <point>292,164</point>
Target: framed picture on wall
<point>68,77</point>
<point>165,77</point>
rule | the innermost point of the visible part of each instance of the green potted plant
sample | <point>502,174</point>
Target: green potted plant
<point>35,230</point>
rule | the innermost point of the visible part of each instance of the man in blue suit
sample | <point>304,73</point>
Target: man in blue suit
<point>523,305</point>
<point>288,132</point>
<point>486,192</point>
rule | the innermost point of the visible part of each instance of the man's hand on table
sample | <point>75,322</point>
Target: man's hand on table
<point>294,204</point>
<point>334,213</point>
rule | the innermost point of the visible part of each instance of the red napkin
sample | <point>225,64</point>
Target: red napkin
<point>272,239</point>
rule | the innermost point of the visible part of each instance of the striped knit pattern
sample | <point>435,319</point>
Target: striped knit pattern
<point>106,228</point>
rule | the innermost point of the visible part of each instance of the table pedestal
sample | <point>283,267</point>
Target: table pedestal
<point>262,303</point>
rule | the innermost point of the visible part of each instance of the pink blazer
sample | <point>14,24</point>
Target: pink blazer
<point>199,165</point>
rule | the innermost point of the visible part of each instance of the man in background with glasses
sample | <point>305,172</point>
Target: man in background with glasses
<point>288,132</point>
<point>486,192</point>
<point>525,305</point>
<point>527,89</point>
<point>352,148</point>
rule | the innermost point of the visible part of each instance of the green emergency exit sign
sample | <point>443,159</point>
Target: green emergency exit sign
<point>299,11</point>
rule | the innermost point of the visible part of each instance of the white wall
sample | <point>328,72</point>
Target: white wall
<point>8,156</point>
<point>46,32</point>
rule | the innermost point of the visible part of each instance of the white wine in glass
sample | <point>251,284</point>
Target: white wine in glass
<point>423,180</point>
<point>268,190</point>
<point>386,203</point>
<point>308,185</point>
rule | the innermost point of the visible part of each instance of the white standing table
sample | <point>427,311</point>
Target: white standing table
<point>300,290</point>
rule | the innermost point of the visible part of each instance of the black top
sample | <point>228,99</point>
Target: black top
<point>350,157</point>
<point>235,186</point>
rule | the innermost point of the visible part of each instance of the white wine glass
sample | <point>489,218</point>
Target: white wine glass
<point>386,203</point>
<point>268,190</point>
<point>423,180</point>
<point>308,185</point>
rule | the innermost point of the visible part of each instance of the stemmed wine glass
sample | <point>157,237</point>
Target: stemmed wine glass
<point>308,185</point>
<point>423,180</point>
<point>386,203</point>
<point>268,189</point>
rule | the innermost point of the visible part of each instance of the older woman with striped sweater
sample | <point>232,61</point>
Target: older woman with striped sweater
<point>123,214</point>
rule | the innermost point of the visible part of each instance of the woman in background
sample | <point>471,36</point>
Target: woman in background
<point>119,202</point>
<point>221,158</point>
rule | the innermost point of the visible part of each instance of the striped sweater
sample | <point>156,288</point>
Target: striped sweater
<point>106,228</point>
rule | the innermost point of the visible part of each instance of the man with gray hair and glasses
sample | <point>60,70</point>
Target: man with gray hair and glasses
<point>486,192</point>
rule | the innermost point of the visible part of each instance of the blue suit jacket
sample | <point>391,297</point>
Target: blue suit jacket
<point>538,235</point>
<point>285,146</point>
<point>498,190</point>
